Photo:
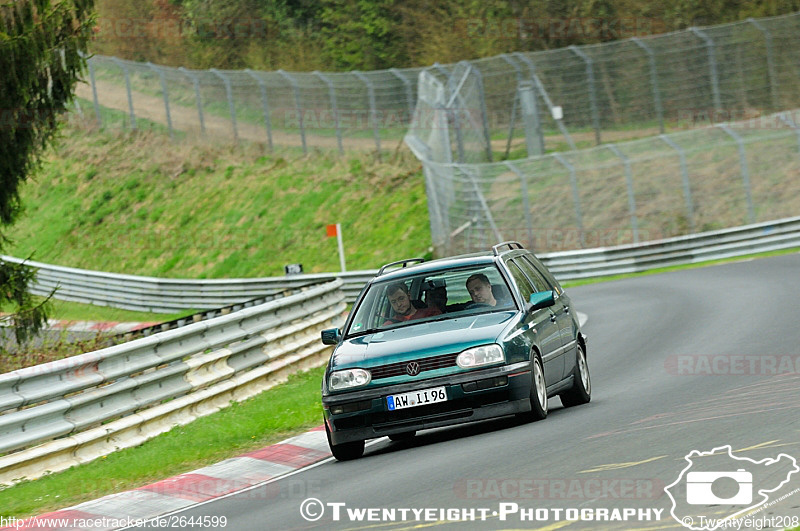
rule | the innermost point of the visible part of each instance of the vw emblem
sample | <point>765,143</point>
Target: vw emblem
<point>412,368</point>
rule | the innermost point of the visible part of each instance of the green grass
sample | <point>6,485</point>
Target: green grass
<point>272,416</point>
<point>136,203</point>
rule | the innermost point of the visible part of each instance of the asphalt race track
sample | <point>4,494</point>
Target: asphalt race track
<point>682,361</point>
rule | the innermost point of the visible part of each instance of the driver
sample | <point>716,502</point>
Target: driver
<point>403,308</point>
<point>480,289</point>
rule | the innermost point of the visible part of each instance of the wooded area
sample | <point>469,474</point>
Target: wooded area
<point>343,35</point>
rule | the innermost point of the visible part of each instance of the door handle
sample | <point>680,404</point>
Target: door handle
<point>553,317</point>
<point>566,309</point>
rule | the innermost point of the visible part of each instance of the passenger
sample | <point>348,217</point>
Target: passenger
<point>480,289</point>
<point>403,308</point>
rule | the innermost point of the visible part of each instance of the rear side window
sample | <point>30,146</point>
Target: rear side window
<point>545,278</point>
<point>538,281</point>
<point>521,280</point>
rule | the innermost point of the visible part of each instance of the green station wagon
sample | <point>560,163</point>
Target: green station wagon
<point>449,341</point>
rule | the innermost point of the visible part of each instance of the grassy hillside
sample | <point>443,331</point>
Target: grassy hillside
<point>138,203</point>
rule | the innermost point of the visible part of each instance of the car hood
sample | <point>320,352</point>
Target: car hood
<point>421,340</point>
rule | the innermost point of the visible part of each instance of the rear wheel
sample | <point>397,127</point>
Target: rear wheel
<point>581,391</point>
<point>538,395</point>
<point>345,451</point>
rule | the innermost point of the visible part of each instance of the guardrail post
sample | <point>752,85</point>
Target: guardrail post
<point>372,110</point>
<point>545,96</point>
<point>513,119</point>
<point>298,107</point>
<point>712,65</point>
<point>164,92</point>
<point>523,181</point>
<point>651,58</point>
<point>264,105</point>
<point>409,92</point>
<point>231,107</point>
<point>592,91</point>
<point>773,79</point>
<point>687,190</point>
<point>94,92</point>
<point>631,197</point>
<point>127,90</point>
<point>332,95</point>
<point>745,171</point>
<point>198,99</point>
<point>576,196</point>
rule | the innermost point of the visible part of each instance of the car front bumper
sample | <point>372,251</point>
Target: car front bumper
<point>471,396</point>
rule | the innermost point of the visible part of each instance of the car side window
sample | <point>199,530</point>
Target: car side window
<point>536,278</point>
<point>551,280</point>
<point>521,280</point>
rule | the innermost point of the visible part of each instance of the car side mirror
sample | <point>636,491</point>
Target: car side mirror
<point>331,336</point>
<point>539,300</point>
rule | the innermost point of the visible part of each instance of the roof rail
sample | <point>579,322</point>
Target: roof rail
<point>402,263</point>
<point>510,244</point>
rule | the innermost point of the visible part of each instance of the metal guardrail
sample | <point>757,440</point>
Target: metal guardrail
<point>86,406</point>
<point>168,295</point>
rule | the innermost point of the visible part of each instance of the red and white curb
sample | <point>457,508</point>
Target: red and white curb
<point>187,489</point>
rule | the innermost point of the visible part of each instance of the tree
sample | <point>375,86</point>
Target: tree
<point>41,58</point>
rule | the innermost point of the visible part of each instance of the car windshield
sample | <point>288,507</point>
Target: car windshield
<point>431,296</point>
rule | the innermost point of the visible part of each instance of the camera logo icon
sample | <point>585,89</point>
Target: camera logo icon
<point>700,491</point>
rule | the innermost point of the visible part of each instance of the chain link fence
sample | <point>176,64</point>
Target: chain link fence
<point>624,193</point>
<point>609,92</point>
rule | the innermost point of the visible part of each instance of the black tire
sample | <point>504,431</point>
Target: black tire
<point>345,451</point>
<point>402,436</point>
<point>581,392</point>
<point>538,396</point>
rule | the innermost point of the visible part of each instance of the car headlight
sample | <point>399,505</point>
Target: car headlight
<point>483,355</point>
<point>348,378</point>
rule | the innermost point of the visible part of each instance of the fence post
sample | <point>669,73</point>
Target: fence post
<point>745,171</point>
<point>198,99</point>
<point>592,93</point>
<point>534,140</point>
<point>651,58</point>
<point>332,95</point>
<point>264,105</point>
<point>484,114</point>
<point>631,197</point>
<point>160,73</point>
<point>791,123</point>
<point>525,200</point>
<point>576,196</point>
<point>482,200</point>
<point>513,119</point>
<point>297,106</point>
<point>545,96</point>
<point>94,92</point>
<point>687,190</point>
<point>773,80</point>
<point>712,64</point>
<point>372,110</point>
<point>409,93</point>
<point>127,90</point>
<point>231,107</point>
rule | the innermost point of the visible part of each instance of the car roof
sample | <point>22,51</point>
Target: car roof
<point>441,264</point>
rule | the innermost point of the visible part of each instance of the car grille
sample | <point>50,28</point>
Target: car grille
<point>425,364</point>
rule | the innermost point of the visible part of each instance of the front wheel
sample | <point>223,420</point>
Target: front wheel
<point>538,396</point>
<point>581,392</point>
<point>345,451</point>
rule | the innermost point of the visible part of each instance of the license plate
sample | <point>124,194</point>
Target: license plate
<point>416,398</point>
